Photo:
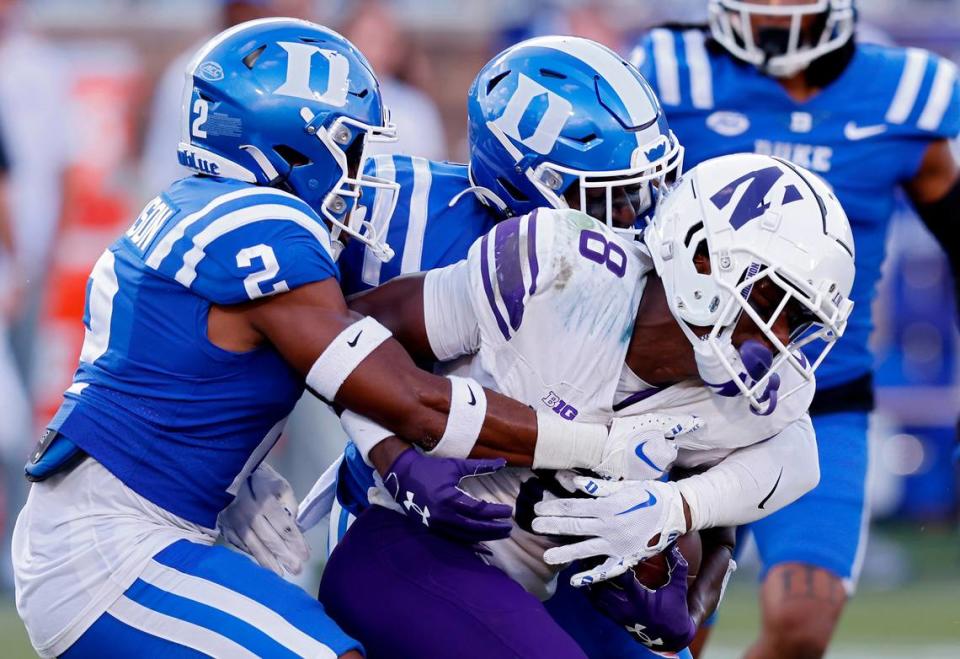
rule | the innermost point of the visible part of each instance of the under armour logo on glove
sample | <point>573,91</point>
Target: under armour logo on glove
<point>423,512</point>
<point>637,630</point>
<point>427,490</point>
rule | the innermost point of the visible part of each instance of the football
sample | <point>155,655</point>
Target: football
<point>652,572</point>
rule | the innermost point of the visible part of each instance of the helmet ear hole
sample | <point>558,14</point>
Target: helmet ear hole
<point>701,258</point>
<point>291,156</point>
<point>512,190</point>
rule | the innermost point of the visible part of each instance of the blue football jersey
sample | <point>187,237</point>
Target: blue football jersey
<point>178,419</point>
<point>433,223</point>
<point>865,133</point>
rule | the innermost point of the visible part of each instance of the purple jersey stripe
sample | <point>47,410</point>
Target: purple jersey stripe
<point>635,398</point>
<point>532,251</point>
<point>488,288</point>
<point>506,253</point>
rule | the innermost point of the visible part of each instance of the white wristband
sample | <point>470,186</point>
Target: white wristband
<point>468,408</point>
<point>344,354</point>
<point>565,444</point>
<point>365,433</point>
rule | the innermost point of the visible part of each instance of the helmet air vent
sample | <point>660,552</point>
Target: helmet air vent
<point>586,139</point>
<point>550,73</point>
<point>692,232</point>
<point>495,80</point>
<point>251,58</point>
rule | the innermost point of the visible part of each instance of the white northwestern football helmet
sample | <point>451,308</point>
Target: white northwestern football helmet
<point>783,50</point>
<point>755,217</point>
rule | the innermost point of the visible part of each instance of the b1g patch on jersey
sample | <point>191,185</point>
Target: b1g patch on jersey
<point>148,224</point>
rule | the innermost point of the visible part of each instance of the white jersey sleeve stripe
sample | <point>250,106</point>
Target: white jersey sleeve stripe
<point>165,245</point>
<point>237,605</point>
<point>668,71</point>
<point>909,86</point>
<point>701,77</point>
<point>384,168</point>
<point>104,287</point>
<point>419,208</point>
<point>526,263</point>
<point>175,630</point>
<point>239,218</point>
<point>939,98</point>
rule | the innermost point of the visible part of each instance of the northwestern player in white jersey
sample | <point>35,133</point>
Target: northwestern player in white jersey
<point>443,207</point>
<point>563,313</point>
<point>204,323</point>
<point>790,79</point>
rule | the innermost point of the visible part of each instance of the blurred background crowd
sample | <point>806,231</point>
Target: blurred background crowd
<point>89,124</point>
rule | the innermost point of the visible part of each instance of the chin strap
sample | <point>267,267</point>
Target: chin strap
<point>486,196</point>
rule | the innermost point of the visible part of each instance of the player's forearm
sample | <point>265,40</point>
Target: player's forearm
<point>428,410</point>
<point>704,594</point>
<point>754,481</point>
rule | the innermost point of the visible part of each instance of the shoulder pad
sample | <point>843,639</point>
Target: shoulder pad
<point>243,245</point>
<point>508,265</point>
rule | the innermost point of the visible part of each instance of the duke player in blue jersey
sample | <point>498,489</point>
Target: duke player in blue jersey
<point>204,323</point>
<point>789,79</point>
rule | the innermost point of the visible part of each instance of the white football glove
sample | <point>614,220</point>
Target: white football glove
<point>643,447</point>
<point>261,521</point>
<point>620,521</point>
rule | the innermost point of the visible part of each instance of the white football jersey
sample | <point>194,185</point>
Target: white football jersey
<point>547,304</point>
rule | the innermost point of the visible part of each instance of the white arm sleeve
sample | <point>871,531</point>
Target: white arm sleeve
<point>448,314</point>
<point>755,481</point>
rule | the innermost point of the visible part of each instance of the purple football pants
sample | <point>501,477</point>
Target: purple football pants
<point>403,591</point>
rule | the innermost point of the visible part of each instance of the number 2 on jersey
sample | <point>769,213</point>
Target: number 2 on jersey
<point>270,270</point>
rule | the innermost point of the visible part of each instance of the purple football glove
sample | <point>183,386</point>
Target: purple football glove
<point>658,618</point>
<point>427,489</point>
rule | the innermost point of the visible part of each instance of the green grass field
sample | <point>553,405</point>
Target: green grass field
<point>920,619</point>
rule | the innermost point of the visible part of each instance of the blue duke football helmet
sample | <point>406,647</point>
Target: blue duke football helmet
<point>567,123</point>
<point>290,104</point>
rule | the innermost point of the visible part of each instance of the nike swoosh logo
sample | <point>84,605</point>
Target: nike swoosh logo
<point>854,132</point>
<point>767,498</point>
<point>353,344</point>
<point>644,458</point>
<point>473,399</point>
<point>651,501</point>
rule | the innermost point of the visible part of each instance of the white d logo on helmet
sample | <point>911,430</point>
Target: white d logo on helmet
<point>551,123</point>
<point>299,67</point>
